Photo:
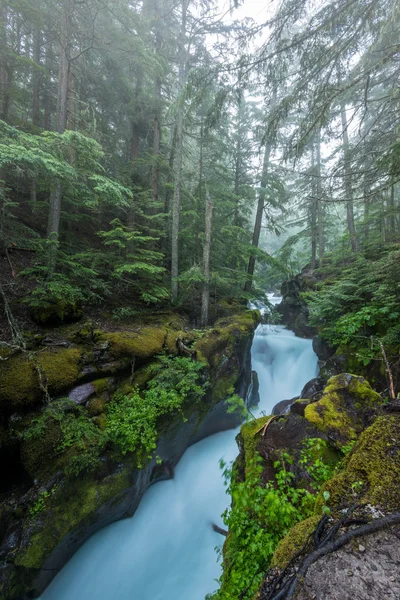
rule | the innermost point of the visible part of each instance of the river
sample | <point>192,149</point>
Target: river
<point>166,551</point>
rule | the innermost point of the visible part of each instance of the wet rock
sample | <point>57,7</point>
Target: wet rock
<point>313,387</point>
<point>299,407</point>
<point>283,406</point>
<point>253,397</point>
<point>322,348</point>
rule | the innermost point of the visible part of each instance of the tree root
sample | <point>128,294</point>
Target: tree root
<point>325,546</point>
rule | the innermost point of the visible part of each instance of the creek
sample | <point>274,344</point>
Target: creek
<point>166,551</point>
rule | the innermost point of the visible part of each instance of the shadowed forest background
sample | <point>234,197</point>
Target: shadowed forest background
<point>155,152</point>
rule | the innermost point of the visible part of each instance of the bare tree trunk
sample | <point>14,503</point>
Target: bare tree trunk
<point>6,71</point>
<point>53,226</point>
<point>391,207</point>
<point>347,183</point>
<point>259,216</point>
<point>320,205</point>
<point>176,205</point>
<point>157,116</point>
<point>47,100</point>
<point>205,298</point>
<point>313,210</point>
<point>37,78</point>
<point>37,48</point>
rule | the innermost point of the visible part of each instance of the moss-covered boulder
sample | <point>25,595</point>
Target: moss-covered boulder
<point>143,344</point>
<point>294,541</point>
<point>372,470</point>
<point>347,404</point>
<point>24,377</point>
<point>222,349</point>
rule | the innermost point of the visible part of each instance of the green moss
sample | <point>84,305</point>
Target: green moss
<point>100,421</point>
<point>19,376</point>
<point>250,438</point>
<point>225,331</point>
<point>328,415</point>
<point>38,454</point>
<point>70,507</point>
<point>372,470</point>
<point>172,337</point>
<point>224,386</point>
<point>144,344</point>
<point>294,541</point>
<point>96,406</point>
<point>340,412</point>
<point>101,386</point>
<point>61,367</point>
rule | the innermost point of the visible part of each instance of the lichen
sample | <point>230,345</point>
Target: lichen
<point>294,541</point>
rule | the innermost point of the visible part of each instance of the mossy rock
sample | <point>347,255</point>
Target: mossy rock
<point>250,438</point>
<point>96,406</point>
<point>144,344</point>
<point>172,337</point>
<point>372,470</point>
<point>343,411</point>
<point>38,454</point>
<point>224,332</point>
<point>72,505</point>
<point>19,376</point>
<point>100,421</point>
<point>294,541</point>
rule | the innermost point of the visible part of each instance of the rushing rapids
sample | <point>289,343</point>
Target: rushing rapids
<point>166,551</point>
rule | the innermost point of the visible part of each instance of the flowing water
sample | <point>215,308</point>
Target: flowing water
<point>166,551</point>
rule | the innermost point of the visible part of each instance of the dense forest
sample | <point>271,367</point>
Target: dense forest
<point>164,164</point>
<point>153,150</point>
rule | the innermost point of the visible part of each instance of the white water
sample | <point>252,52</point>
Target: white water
<point>166,550</point>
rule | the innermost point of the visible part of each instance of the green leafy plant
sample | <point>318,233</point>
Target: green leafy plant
<point>261,514</point>
<point>133,419</point>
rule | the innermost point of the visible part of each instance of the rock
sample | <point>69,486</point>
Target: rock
<point>322,349</point>
<point>283,406</point>
<point>299,406</point>
<point>313,387</point>
<point>345,408</point>
<point>253,396</point>
<point>81,393</point>
<point>345,575</point>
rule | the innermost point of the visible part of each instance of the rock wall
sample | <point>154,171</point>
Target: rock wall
<point>47,514</point>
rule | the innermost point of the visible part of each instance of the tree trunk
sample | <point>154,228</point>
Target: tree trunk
<point>53,226</point>
<point>313,210</point>
<point>259,217</point>
<point>47,98</point>
<point>347,182</point>
<point>392,218</point>
<point>36,76</point>
<point>320,205</point>
<point>6,71</point>
<point>176,205</point>
<point>205,298</point>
